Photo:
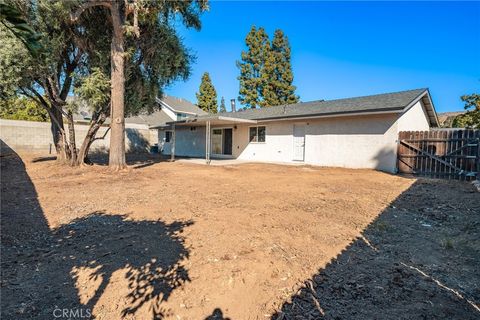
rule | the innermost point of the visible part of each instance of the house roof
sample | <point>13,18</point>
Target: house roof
<point>380,103</point>
<point>181,105</point>
<point>157,118</point>
<point>154,118</point>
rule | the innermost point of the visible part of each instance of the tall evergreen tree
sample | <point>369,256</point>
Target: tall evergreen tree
<point>222,105</point>
<point>251,67</point>
<point>207,95</point>
<point>277,75</point>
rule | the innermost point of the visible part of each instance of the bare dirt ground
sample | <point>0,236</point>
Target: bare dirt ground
<point>254,241</point>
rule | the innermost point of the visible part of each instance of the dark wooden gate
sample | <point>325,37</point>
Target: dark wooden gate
<point>449,154</point>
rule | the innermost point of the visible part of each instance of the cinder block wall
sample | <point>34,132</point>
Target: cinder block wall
<point>31,136</point>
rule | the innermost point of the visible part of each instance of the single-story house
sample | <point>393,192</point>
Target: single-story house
<point>360,132</point>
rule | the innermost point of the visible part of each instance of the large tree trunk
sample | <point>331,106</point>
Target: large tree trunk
<point>117,137</point>
<point>96,123</point>
<point>71,140</point>
<point>58,134</point>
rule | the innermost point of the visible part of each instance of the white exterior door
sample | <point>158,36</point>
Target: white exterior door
<point>298,142</point>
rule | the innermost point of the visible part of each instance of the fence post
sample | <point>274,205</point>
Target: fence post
<point>478,156</point>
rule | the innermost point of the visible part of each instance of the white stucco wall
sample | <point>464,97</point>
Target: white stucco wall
<point>366,141</point>
<point>351,142</point>
<point>414,119</point>
<point>277,147</point>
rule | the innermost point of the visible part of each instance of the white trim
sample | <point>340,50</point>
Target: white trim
<point>236,120</point>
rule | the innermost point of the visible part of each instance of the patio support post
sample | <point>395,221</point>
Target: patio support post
<point>173,143</point>
<point>207,142</point>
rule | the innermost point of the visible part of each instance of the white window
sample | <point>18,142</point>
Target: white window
<point>257,134</point>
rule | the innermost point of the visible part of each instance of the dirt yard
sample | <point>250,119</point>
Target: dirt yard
<point>253,241</point>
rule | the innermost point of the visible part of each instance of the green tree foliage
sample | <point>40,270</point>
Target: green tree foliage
<point>222,105</point>
<point>251,67</point>
<point>46,78</point>
<point>207,95</point>
<point>12,19</point>
<point>277,75</point>
<point>136,28</point>
<point>94,89</point>
<point>470,119</point>
<point>22,109</point>
<point>78,52</point>
<point>266,77</point>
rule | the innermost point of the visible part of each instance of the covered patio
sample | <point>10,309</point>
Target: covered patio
<point>218,134</point>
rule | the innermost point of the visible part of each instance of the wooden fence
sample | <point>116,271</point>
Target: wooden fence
<point>448,154</point>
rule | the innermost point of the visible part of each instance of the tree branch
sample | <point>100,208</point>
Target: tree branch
<point>71,66</point>
<point>87,5</point>
<point>39,100</point>
<point>102,137</point>
<point>37,97</point>
<point>53,97</point>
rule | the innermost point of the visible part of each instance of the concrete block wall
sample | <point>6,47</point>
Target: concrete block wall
<point>31,136</point>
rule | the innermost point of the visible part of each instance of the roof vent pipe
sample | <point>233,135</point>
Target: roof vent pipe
<point>232,104</point>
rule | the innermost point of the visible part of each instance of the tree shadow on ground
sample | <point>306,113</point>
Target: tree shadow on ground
<point>418,260</point>
<point>135,160</point>
<point>41,267</point>
<point>217,314</point>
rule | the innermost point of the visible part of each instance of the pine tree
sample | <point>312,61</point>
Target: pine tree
<point>251,67</point>
<point>222,105</point>
<point>277,76</point>
<point>207,95</point>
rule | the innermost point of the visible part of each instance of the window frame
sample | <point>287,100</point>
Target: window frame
<point>168,136</point>
<point>255,140</point>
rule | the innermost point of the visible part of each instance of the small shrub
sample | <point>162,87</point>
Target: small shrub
<point>381,226</point>
<point>447,244</point>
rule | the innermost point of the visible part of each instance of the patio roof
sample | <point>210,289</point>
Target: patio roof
<point>202,121</point>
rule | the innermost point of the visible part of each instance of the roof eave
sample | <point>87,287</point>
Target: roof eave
<point>430,108</point>
<point>332,114</point>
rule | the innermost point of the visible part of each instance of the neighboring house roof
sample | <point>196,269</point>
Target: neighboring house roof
<point>380,103</point>
<point>157,118</point>
<point>181,105</point>
<point>154,118</point>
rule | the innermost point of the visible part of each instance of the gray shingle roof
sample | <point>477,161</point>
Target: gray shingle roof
<point>182,105</point>
<point>374,103</point>
<point>155,118</point>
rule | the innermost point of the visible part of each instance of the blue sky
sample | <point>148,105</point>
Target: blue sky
<point>345,49</point>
